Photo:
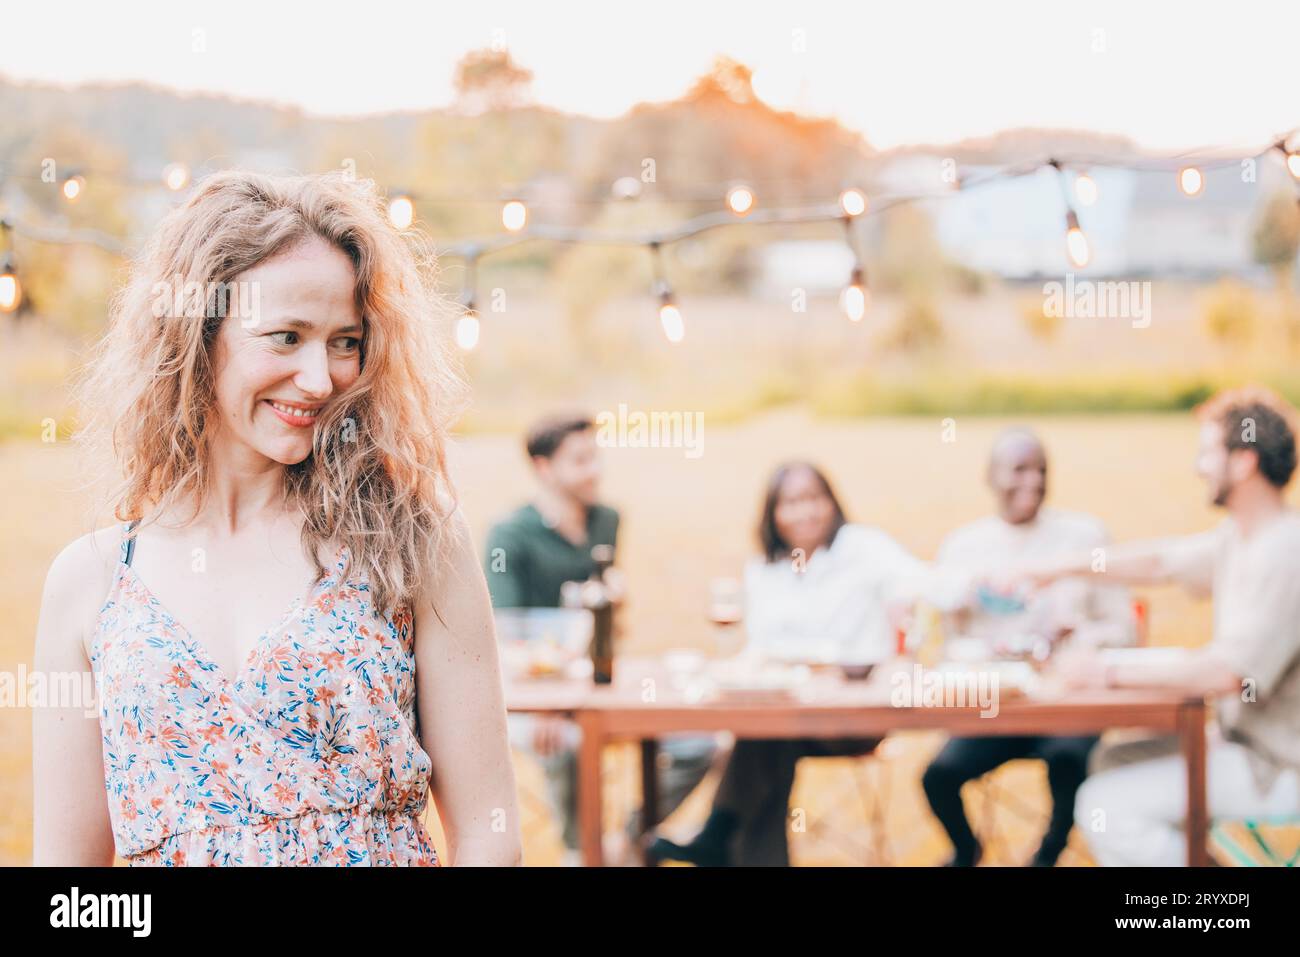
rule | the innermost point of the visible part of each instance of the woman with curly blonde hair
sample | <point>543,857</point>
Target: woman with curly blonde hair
<point>289,632</point>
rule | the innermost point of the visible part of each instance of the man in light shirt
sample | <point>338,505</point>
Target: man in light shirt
<point>1132,812</point>
<point>981,628</point>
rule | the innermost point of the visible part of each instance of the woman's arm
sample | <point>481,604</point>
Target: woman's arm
<point>462,712</point>
<point>70,822</point>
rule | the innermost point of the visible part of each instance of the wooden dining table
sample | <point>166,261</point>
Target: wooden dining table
<point>649,699</point>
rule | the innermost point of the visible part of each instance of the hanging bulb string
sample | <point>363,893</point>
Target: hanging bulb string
<point>526,231</point>
<point>696,225</point>
<point>71,237</point>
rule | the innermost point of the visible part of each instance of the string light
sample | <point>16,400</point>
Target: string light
<point>401,211</point>
<point>1191,181</point>
<point>11,290</point>
<point>73,186</point>
<point>1290,157</point>
<point>670,317</point>
<point>467,328</point>
<point>1076,243</point>
<point>468,325</point>
<point>514,215</point>
<point>176,176</point>
<point>856,296</point>
<point>740,200</point>
<point>853,202</point>
<point>1085,189</point>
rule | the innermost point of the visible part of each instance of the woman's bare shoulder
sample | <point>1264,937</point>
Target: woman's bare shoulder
<point>93,554</point>
<point>77,584</point>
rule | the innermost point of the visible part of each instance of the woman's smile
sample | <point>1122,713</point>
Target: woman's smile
<point>293,413</point>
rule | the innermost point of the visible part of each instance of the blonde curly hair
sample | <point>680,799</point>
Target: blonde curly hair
<point>376,479</point>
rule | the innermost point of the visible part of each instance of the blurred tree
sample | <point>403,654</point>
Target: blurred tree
<point>67,285</point>
<point>1277,236</point>
<point>918,328</point>
<point>61,151</point>
<point>1042,325</point>
<point>490,80</point>
<point>1231,313</point>
<point>719,133</point>
<point>1289,318</point>
<point>727,79</point>
<point>470,165</point>
<point>909,256</point>
<point>585,277</point>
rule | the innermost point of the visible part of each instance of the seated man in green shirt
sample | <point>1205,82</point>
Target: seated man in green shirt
<point>530,554</point>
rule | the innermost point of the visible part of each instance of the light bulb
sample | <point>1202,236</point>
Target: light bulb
<point>176,176</point>
<point>856,297</point>
<point>401,212</point>
<point>73,187</point>
<point>514,215</point>
<point>740,200</point>
<point>11,291</point>
<point>853,202</point>
<point>1085,189</point>
<point>670,317</point>
<point>1190,181</point>
<point>1076,243</point>
<point>467,330</point>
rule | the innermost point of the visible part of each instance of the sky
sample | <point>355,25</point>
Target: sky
<point>1186,75</point>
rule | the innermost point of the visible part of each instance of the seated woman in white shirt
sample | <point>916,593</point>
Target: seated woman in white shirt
<point>820,590</point>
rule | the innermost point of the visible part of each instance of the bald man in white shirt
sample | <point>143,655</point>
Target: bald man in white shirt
<point>1022,529</point>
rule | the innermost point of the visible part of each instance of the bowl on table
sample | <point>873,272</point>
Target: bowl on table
<point>857,670</point>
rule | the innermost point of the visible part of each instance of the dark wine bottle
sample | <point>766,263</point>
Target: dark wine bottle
<point>596,598</point>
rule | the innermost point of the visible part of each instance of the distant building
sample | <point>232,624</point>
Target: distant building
<point>820,267</point>
<point>1140,225</point>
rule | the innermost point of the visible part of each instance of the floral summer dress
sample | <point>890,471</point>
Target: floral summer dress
<point>308,756</point>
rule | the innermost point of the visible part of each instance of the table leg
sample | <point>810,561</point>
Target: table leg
<point>1192,730</point>
<point>649,790</point>
<point>590,827</point>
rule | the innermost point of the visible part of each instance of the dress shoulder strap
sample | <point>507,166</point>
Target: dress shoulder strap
<point>128,541</point>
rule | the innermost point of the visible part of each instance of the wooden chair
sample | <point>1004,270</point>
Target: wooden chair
<point>1256,842</point>
<point>868,786</point>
